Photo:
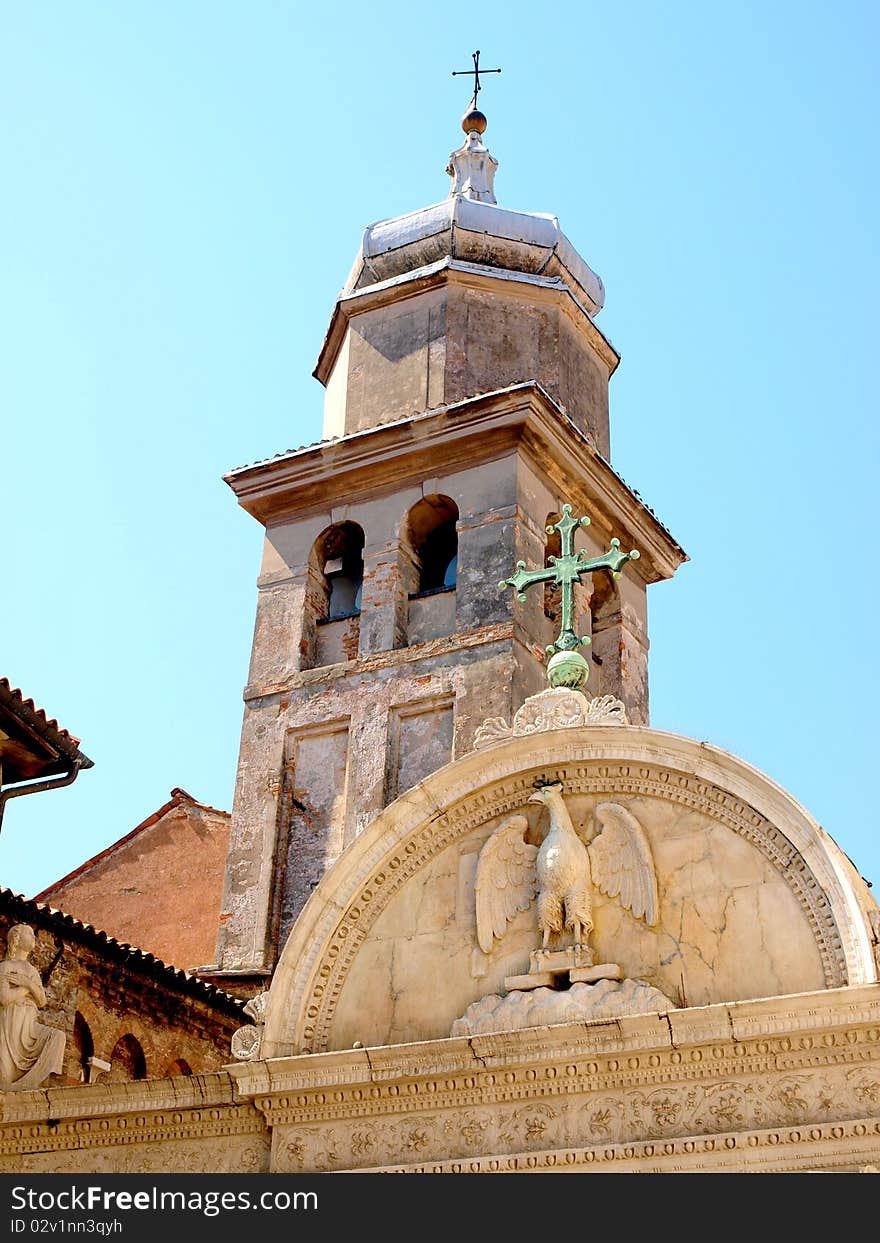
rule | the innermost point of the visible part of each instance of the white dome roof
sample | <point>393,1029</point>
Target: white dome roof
<point>482,233</point>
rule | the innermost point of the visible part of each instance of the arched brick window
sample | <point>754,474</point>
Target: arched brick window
<point>430,540</point>
<point>179,1067</point>
<point>127,1060</point>
<point>333,600</point>
<point>84,1045</point>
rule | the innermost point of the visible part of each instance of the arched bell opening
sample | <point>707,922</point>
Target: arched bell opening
<point>336,580</point>
<point>430,534</point>
<point>552,591</point>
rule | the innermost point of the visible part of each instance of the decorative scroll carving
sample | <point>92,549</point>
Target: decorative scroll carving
<point>606,710</point>
<point>493,729</point>
<point>246,1041</point>
<point>557,708</point>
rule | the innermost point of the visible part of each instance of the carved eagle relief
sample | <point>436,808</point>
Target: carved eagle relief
<point>563,870</point>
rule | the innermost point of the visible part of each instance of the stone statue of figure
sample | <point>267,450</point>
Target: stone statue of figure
<point>29,1052</point>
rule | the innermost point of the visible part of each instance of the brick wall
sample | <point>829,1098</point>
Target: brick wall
<point>119,1005</point>
<point>158,888</point>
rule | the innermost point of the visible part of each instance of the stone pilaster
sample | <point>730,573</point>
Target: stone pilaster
<point>486,546</point>
<point>369,749</point>
<point>383,599</point>
<point>279,629</point>
<point>251,861</point>
<point>620,646</point>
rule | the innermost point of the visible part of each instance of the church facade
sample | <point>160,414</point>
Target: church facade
<point>484,924</point>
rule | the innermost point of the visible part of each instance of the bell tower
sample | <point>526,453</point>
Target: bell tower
<point>466,401</point>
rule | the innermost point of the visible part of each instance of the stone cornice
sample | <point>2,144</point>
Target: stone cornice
<point>212,1090</point>
<point>467,275</point>
<point>480,429</point>
<point>619,1052</point>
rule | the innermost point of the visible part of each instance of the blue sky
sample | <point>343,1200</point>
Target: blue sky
<point>184,188</point>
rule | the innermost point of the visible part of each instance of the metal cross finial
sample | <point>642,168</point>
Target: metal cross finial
<point>566,571</point>
<point>475,57</point>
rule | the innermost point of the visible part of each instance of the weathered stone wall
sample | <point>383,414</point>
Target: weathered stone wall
<point>315,807</point>
<point>495,340</point>
<point>404,703</point>
<point>160,888</point>
<point>393,362</point>
<point>447,344</point>
<point>324,757</point>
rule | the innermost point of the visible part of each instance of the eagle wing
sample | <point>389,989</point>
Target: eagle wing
<point>622,863</point>
<point>506,879</point>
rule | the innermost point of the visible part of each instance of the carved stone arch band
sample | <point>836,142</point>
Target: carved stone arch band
<point>608,762</point>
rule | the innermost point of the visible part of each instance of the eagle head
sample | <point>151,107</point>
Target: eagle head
<point>543,794</point>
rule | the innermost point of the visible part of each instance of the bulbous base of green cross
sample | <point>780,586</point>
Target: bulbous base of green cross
<point>568,669</point>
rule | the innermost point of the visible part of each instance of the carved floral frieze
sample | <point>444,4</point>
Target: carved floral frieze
<point>212,1140</point>
<point>563,1120</point>
<point>200,1157</point>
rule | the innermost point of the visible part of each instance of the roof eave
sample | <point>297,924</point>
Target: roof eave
<point>54,750</point>
<point>269,490</point>
<point>29,910</point>
<point>178,798</point>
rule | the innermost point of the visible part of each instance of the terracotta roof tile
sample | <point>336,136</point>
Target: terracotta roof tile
<point>15,693</point>
<point>14,701</point>
<point>27,910</point>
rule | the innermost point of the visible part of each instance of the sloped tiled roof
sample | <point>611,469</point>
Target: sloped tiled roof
<point>30,911</point>
<point>37,722</point>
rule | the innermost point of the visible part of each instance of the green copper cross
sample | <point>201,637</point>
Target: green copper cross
<point>567,570</point>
